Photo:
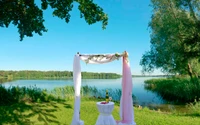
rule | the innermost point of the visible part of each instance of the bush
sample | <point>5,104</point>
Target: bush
<point>194,107</point>
<point>17,94</point>
<point>175,89</point>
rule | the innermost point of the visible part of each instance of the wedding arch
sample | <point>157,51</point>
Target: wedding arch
<point>126,103</point>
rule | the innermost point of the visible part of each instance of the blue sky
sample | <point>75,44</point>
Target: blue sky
<point>127,30</point>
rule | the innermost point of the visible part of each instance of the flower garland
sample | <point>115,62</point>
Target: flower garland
<point>104,57</point>
<point>100,57</point>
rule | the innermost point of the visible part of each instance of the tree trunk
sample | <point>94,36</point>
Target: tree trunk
<point>190,70</point>
<point>196,74</point>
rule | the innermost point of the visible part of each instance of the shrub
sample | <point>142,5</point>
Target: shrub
<point>17,94</point>
<point>194,107</point>
<point>175,89</point>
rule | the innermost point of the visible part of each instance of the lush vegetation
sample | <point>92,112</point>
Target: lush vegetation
<point>144,75</point>
<point>17,94</point>
<point>175,38</point>
<point>88,91</point>
<point>2,80</point>
<point>182,90</point>
<point>194,107</point>
<point>58,109</point>
<point>28,74</point>
<point>175,49</point>
<point>27,15</point>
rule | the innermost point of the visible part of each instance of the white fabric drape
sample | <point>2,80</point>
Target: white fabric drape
<point>77,87</point>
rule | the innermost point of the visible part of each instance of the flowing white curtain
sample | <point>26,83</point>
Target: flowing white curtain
<point>77,87</point>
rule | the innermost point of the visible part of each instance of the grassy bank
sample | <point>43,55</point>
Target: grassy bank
<point>175,89</point>
<point>24,106</point>
<point>15,94</point>
<point>61,112</point>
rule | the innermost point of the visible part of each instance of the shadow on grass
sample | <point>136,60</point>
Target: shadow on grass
<point>193,115</point>
<point>29,113</point>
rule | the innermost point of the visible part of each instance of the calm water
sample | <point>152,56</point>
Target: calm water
<point>143,96</point>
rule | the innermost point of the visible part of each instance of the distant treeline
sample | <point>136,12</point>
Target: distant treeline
<point>28,74</point>
<point>152,75</point>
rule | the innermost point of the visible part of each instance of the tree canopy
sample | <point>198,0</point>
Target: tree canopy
<point>175,37</point>
<point>28,17</point>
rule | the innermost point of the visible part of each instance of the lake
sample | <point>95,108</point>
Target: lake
<point>143,96</point>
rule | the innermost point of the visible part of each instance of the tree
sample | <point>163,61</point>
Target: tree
<point>175,37</point>
<point>28,17</point>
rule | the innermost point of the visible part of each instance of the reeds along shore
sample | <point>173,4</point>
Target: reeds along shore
<point>180,90</point>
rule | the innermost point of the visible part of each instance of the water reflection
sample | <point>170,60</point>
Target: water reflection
<point>3,80</point>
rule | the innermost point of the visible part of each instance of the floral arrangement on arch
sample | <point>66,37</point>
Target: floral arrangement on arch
<point>100,57</point>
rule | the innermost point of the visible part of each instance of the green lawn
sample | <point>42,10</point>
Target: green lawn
<point>60,113</point>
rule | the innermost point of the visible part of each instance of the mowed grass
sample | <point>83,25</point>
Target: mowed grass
<point>60,113</point>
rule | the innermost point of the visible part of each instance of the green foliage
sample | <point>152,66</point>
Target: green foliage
<point>175,37</point>
<point>17,94</point>
<point>194,107</point>
<point>67,92</point>
<point>88,75</point>
<point>3,80</point>
<point>14,95</point>
<point>10,75</point>
<point>28,16</point>
<point>181,90</point>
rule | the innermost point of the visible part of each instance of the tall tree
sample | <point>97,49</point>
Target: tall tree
<point>28,17</point>
<point>175,37</point>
